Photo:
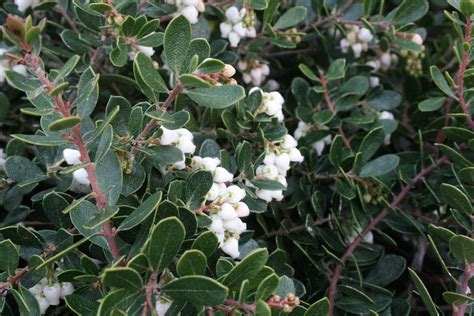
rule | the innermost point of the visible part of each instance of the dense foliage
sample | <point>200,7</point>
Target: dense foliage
<point>259,157</point>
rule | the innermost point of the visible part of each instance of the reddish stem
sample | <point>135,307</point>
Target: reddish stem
<point>460,75</point>
<point>468,273</point>
<point>352,247</point>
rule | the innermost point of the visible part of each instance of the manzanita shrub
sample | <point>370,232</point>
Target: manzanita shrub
<point>242,157</point>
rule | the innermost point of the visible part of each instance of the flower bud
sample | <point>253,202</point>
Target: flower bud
<point>227,212</point>
<point>52,293</point>
<point>72,156</point>
<point>231,247</point>
<point>222,175</point>
<point>417,39</point>
<point>228,71</point>
<point>81,176</point>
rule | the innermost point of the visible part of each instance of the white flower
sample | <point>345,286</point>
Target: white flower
<point>417,39</point>
<point>344,43</point>
<point>374,81</point>
<point>2,159</point>
<point>180,165</point>
<point>282,162</point>
<point>217,225</point>
<point>385,115</point>
<point>288,142</point>
<point>234,39</point>
<point>225,28</point>
<point>233,14</point>
<point>81,176</point>
<point>213,192</point>
<point>301,130</point>
<point>235,226</point>
<point>228,71</point>
<point>66,289</point>
<point>72,156</point>
<point>191,14</point>
<point>242,209</point>
<point>357,49</point>
<point>365,35</point>
<point>37,289</point>
<point>234,194</point>
<point>210,164</point>
<point>186,145</point>
<point>169,136</point>
<point>239,29</point>
<point>251,32</point>
<point>268,195</point>
<point>24,4</point>
<point>374,64</point>
<point>269,159</point>
<point>295,155</point>
<point>231,247</point>
<point>227,212</point>
<point>43,304</point>
<point>149,51</point>
<point>267,171</point>
<point>222,175</point>
<point>162,306</point>
<point>386,60</point>
<point>190,2</point>
<point>272,84</point>
<point>52,293</point>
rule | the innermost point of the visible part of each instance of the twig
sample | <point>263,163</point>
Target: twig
<point>68,19</point>
<point>352,247</point>
<point>468,273</point>
<point>460,75</point>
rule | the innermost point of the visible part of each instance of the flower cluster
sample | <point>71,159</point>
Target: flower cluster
<point>225,206</point>
<point>253,71</point>
<point>279,154</point>
<point>180,138</point>
<point>80,179</point>
<point>48,293</point>
<point>272,104</point>
<point>357,38</point>
<point>23,5</point>
<point>414,58</point>
<point>6,64</point>
<point>189,8</point>
<point>304,128</point>
<point>383,62</point>
<point>239,24</point>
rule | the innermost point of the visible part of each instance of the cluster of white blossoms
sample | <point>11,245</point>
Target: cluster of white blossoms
<point>23,5</point>
<point>272,104</point>
<point>225,206</point>
<point>253,71</point>
<point>49,293</point>
<point>278,157</point>
<point>80,178</point>
<point>180,138</point>
<point>385,115</point>
<point>383,62</point>
<point>304,128</point>
<point>357,38</point>
<point>189,8</point>
<point>414,65</point>
<point>239,24</point>
<point>6,64</point>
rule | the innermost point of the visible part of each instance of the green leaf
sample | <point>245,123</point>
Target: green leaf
<point>258,4</point>
<point>81,305</point>
<point>291,17</point>
<point>80,215</point>
<point>217,97</point>
<point>143,67</point>
<point>385,101</point>
<point>206,242</point>
<point>462,248</point>
<point>165,242</point>
<point>441,82</point>
<point>336,69</point>
<point>64,123</point>
<point>100,218</point>
<point>308,72</point>
<point>123,278</point>
<point>410,11</point>
<point>425,295</point>
<point>192,262</point>
<point>22,170</point>
<point>456,198</point>
<point>379,166</point>
<point>87,93</point>
<point>61,254</point>
<point>67,68</point>
<point>210,65</point>
<point>431,104</point>
<point>371,143</point>
<point>249,267</point>
<point>320,307</point>
<point>267,287</point>
<point>197,185</point>
<point>27,303</point>
<point>387,270</point>
<point>262,309</point>
<point>40,140</point>
<point>22,83</point>
<point>457,298</point>
<point>117,302</point>
<point>10,258</point>
<point>176,42</point>
<point>199,290</point>
<point>467,8</point>
<point>109,175</point>
<point>271,185</point>
<point>141,213</point>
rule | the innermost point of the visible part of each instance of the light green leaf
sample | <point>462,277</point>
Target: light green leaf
<point>141,213</point>
<point>123,278</point>
<point>199,290</point>
<point>176,42</point>
<point>217,97</point>
<point>379,166</point>
<point>291,17</point>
